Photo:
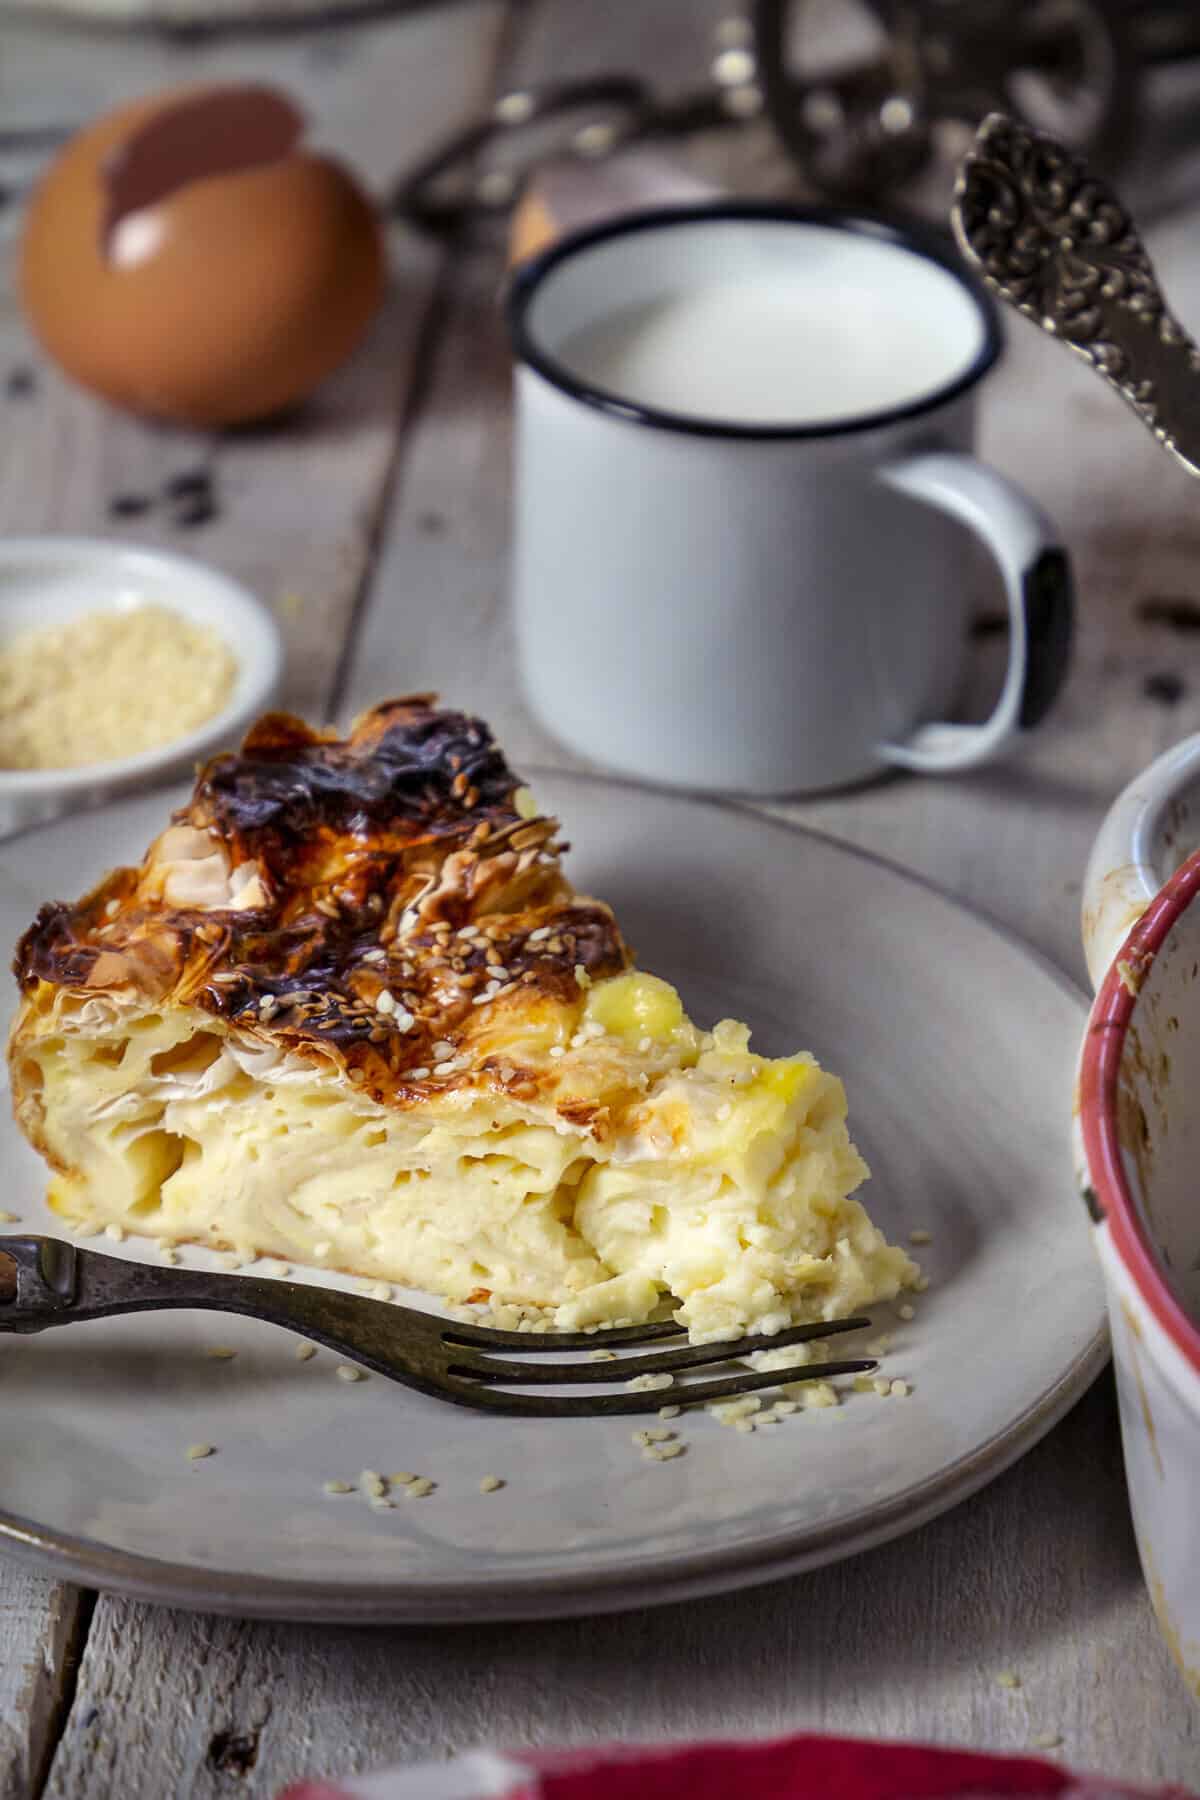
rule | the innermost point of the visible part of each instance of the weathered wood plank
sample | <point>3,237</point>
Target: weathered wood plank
<point>42,1625</point>
<point>299,502</point>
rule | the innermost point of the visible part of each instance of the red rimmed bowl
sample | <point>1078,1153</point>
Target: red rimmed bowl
<point>1138,1146</point>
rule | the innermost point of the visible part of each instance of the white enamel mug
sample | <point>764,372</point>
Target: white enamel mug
<point>750,603</point>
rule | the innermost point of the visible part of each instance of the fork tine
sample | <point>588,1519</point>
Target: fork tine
<point>583,1406</point>
<point>480,1337</point>
<point>690,1356</point>
<point>484,1337</point>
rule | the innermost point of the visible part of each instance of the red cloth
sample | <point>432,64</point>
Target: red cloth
<point>798,1768</point>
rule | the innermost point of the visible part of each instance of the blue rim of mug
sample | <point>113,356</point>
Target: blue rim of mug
<point>529,278</point>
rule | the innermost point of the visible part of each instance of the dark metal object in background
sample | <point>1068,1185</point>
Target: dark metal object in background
<point>1055,242</point>
<point>45,1282</point>
<point>858,89</point>
<point>862,93</point>
<point>482,169</point>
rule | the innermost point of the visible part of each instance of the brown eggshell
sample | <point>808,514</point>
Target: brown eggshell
<point>256,282</point>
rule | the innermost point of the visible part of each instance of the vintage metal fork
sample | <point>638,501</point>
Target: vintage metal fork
<point>46,1282</point>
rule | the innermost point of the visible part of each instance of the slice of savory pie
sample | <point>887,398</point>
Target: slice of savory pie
<point>350,1011</point>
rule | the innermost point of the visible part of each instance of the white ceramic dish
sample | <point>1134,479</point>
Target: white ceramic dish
<point>1148,833</point>
<point>1138,1157</point>
<point>48,581</point>
<point>957,1045</point>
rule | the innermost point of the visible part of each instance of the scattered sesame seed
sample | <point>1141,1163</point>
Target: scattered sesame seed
<point>381,1503</point>
<point>582,976</point>
<point>769,1417</point>
<point>557,1050</point>
<point>1046,1740</point>
<point>662,1452</point>
<point>602,1356</point>
<point>743,1425</point>
<point>863,1384</point>
<point>220,1352</point>
<point>9,1218</point>
<point>669,1412</point>
<point>421,1074</point>
<point>168,1256</point>
<point>489,1484</point>
<point>786,1407</point>
<point>347,1372</point>
<point>402,1019</point>
<point>372,1484</point>
<point>725,1412</point>
<point>921,1283</point>
<point>920,1236</point>
<point>375,956</point>
<point>882,1386</point>
<point>540,935</point>
<point>646,1383</point>
<point>112,908</point>
<point>417,1490</point>
<point>818,1395</point>
<point>901,1388</point>
<point>195,1452</point>
<point>115,1232</point>
<point>403,1477</point>
<point>305,1352</point>
<point>907,1312</point>
<point>385,1001</point>
<point>337,1487</point>
<point>443,1050</point>
<point>381,1290</point>
<point>1008,1678</point>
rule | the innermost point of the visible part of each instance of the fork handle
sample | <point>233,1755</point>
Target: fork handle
<point>46,1282</point>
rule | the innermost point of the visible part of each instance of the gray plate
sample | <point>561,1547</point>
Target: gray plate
<point>957,1046</point>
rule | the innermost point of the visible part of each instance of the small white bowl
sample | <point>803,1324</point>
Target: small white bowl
<point>45,581</point>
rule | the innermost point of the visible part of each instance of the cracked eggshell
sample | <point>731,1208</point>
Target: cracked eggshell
<point>187,258</point>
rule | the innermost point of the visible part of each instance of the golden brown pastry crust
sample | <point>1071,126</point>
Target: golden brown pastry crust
<point>392,863</point>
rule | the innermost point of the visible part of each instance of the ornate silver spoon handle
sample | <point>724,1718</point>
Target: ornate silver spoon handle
<point>1056,243</point>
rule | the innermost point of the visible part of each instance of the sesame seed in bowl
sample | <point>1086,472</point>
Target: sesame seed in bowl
<point>120,667</point>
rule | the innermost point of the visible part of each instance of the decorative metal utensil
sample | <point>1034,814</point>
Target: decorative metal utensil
<point>1052,239</point>
<point>46,1282</point>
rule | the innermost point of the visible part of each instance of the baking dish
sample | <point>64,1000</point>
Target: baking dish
<point>1138,1160</point>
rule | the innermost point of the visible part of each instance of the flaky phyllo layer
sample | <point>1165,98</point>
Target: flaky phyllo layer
<point>349,1012</point>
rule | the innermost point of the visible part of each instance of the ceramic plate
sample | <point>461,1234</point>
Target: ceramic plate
<point>958,1049</point>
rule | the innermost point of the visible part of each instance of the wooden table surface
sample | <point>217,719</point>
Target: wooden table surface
<point>377,526</point>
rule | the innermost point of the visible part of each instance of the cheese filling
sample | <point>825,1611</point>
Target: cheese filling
<point>655,1161</point>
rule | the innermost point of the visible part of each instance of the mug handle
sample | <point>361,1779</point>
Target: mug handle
<point>1037,582</point>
